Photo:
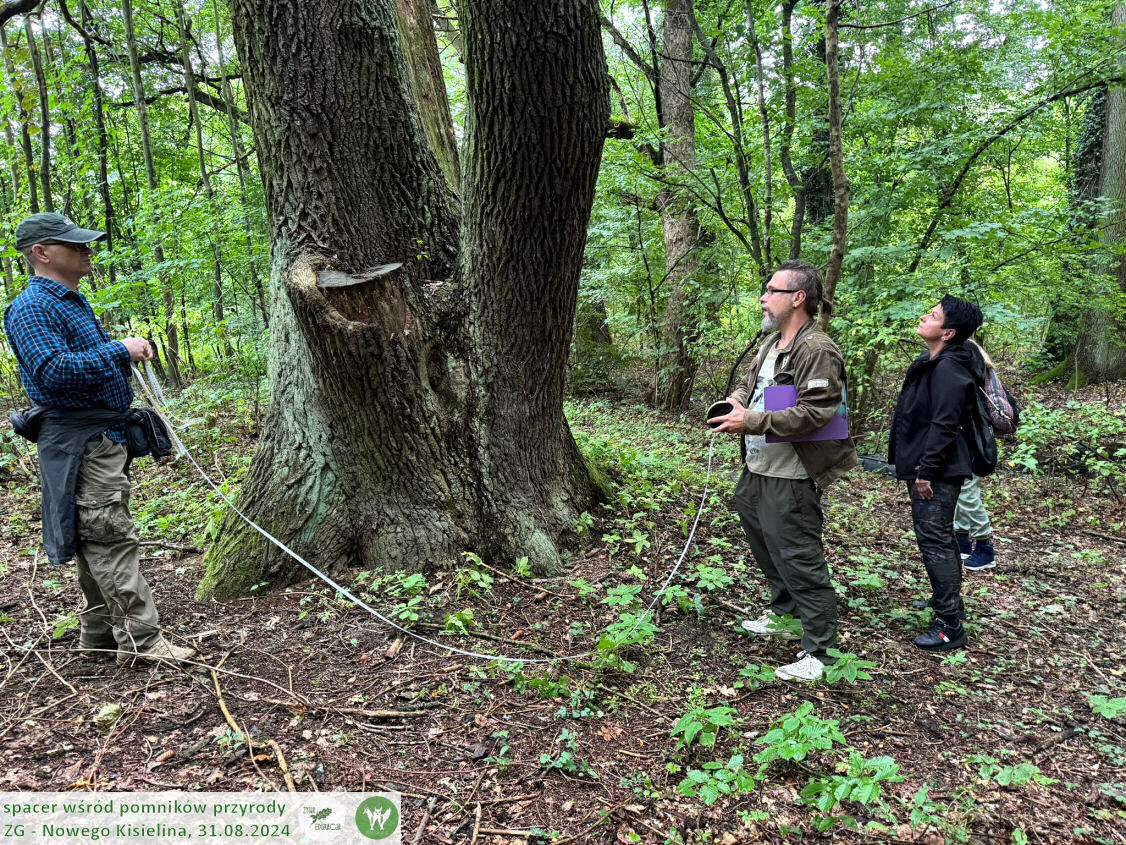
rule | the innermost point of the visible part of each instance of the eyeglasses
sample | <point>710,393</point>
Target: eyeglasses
<point>73,247</point>
<point>770,291</point>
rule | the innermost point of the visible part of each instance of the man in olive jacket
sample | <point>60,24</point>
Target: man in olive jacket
<point>778,496</point>
<point>930,450</point>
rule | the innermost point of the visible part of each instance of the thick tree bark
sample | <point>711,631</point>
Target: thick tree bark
<point>1101,346</point>
<point>417,409</point>
<point>1112,180</point>
<point>677,362</point>
<point>841,187</point>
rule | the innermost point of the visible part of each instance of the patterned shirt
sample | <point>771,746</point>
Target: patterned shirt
<point>65,357</point>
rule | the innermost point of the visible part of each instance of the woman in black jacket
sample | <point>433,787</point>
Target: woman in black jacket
<point>930,451</point>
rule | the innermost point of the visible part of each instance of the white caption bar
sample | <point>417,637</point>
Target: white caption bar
<point>200,818</point>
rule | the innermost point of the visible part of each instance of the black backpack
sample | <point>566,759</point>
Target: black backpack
<point>983,445</point>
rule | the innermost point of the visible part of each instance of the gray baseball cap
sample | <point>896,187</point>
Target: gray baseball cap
<point>49,226</point>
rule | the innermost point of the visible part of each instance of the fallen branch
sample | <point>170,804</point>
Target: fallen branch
<point>431,803</point>
<point>476,825</point>
<point>282,765</point>
<point>1063,736</point>
<point>234,725</point>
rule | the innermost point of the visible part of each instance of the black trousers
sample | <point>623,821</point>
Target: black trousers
<point>782,520</point>
<point>934,532</point>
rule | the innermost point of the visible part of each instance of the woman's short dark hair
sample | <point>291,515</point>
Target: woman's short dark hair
<point>806,277</point>
<point>962,316</point>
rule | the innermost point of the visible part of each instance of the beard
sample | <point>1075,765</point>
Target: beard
<point>769,322</point>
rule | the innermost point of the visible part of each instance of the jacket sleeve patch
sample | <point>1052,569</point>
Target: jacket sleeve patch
<point>817,382</point>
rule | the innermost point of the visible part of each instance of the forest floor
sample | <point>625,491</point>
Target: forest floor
<point>1018,738</point>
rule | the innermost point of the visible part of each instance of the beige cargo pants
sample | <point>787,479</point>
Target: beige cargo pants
<point>119,610</point>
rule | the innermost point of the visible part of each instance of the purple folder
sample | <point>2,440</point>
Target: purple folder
<point>780,396</point>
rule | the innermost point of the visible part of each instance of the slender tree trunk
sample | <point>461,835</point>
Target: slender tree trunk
<point>442,20</point>
<point>242,170</point>
<point>791,99</point>
<point>171,330</point>
<point>98,109</point>
<point>44,116</point>
<point>677,363</point>
<point>25,122</point>
<point>841,188</point>
<point>767,158</point>
<point>417,388</point>
<point>213,213</point>
<point>9,278</point>
<point>10,137</point>
<point>416,28</point>
<point>817,178</point>
<point>742,167</point>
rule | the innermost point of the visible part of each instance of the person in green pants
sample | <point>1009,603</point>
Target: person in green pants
<point>971,520</point>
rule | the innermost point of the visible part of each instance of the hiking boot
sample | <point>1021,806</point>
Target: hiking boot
<point>807,668</point>
<point>941,637</point>
<point>161,650</point>
<point>965,545</point>
<point>768,625</point>
<point>96,649</point>
<point>982,557</point>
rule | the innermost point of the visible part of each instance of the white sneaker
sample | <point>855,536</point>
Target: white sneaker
<point>807,668</point>
<point>768,625</point>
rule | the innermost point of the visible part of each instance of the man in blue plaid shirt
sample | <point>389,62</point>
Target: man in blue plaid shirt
<point>66,360</point>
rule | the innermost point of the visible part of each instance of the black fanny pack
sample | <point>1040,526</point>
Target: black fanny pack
<point>26,423</point>
<point>145,432</point>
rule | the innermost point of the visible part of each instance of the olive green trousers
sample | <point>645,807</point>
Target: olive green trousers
<point>119,611</point>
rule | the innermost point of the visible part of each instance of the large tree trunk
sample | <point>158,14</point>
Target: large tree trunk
<point>1101,349</point>
<point>417,410</point>
<point>1086,338</point>
<point>677,363</point>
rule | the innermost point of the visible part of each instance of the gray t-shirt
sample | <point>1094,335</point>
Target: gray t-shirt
<point>776,460</point>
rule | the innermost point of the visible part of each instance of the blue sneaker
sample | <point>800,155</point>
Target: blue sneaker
<point>965,545</point>
<point>982,557</point>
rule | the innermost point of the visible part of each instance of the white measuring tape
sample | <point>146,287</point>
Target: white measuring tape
<point>155,395</point>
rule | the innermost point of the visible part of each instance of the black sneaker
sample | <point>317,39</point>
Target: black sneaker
<point>965,545</point>
<point>940,637</point>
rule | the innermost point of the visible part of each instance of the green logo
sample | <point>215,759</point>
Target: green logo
<point>377,817</point>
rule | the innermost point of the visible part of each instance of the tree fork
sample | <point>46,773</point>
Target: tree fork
<point>416,411</point>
